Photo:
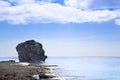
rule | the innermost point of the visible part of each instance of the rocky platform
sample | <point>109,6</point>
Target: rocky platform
<point>26,71</point>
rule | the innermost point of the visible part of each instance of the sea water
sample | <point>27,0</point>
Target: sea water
<point>84,68</point>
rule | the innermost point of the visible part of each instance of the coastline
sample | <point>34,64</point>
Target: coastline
<point>26,71</point>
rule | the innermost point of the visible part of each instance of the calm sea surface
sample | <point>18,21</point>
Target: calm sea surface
<point>84,68</point>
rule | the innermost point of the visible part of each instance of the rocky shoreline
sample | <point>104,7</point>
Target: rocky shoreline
<point>26,71</point>
<point>30,54</point>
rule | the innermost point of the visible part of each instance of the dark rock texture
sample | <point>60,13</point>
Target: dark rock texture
<point>30,51</point>
<point>18,71</point>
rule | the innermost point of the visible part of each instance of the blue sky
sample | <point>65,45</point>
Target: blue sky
<point>65,28</point>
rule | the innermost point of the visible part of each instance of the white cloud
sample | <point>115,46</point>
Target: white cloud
<point>92,4</point>
<point>105,4</point>
<point>31,11</point>
<point>81,4</point>
<point>4,4</point>
<point>19,2</point>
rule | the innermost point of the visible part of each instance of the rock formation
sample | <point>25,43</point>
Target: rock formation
<point>30,51</point>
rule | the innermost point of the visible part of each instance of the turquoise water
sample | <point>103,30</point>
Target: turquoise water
<point>85,68</point>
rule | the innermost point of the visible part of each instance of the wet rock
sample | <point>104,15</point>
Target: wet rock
<point>30,51</point>
<point>11,60</point>
<point>46,76</point>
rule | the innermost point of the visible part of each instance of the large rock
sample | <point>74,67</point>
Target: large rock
<point>30,51</point>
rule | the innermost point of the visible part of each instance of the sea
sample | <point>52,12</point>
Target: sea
<point>83,68</point>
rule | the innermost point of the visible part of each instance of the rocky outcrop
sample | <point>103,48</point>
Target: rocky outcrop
<point>31,51</point>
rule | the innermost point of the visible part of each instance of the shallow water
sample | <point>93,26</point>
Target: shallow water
<point>84,68</point>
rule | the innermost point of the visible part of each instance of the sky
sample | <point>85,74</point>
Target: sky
<point>64,27</point>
